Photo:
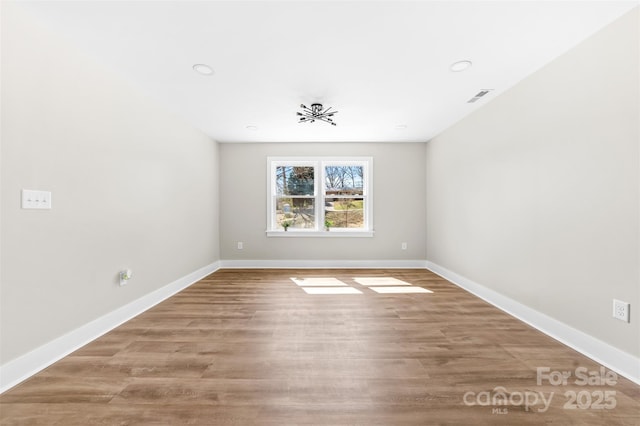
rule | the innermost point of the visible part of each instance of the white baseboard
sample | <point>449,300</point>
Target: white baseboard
<point>323,264</point>
<point>20,369</point>
<point>619,361</point>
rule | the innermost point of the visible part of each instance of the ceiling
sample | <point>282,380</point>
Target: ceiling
<point>384,65</point>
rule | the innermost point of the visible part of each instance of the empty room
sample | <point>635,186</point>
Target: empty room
<point>320,212</point>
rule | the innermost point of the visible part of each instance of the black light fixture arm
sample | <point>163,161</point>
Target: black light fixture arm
<point>310,115</point>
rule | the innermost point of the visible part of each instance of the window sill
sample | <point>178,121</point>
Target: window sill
<point>321,234</point>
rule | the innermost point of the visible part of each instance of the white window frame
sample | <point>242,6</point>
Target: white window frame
<point>319,164</point>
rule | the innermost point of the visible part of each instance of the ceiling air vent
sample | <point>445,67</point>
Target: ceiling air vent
<point>479,95</point>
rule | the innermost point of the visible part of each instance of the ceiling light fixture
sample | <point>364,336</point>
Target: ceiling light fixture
<point>460,66</point>
<point>203,69</point>
<point>309,115</point>
<point>252,128</point>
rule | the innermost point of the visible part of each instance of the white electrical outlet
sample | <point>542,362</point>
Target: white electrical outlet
<point>403,246</point>
<point>621,310</point>
<point>240,245</point>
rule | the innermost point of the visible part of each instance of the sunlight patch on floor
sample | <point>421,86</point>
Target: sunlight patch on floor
<point>402,289</point>
<point>380,285</point>
<point>331,290</point>
<point>318,282</point>
<point>372,281</point>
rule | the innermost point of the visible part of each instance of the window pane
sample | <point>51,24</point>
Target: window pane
<point>294,180</point>
<point>344,180</point>
<point>344,212</point>
<point>299,213</point>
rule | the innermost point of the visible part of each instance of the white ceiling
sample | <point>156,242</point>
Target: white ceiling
<point>381,64</point>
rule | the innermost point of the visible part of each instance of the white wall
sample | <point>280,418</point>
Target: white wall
<point>133,186</point>
<point>398,196</point>
<point>536,195</point>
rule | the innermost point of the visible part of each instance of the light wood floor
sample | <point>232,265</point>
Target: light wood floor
<point>253,348</point>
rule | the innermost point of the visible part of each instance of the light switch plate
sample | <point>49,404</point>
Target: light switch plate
<point>36,199</point>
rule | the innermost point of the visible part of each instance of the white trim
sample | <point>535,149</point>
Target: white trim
<point>323,264</point>
<point>613,358</point>
<point>20,369</point>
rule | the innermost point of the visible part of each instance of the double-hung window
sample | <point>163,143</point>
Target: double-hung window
<point>313,196</point>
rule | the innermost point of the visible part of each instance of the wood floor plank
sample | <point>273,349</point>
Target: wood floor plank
<point>251,347</point>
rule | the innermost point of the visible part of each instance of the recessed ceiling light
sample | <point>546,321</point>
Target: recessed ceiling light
<point>460,66</point>
<point>203,69</point>
<point>401,126</point>
<point>252,128</point>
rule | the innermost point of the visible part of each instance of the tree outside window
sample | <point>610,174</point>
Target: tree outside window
<point>319,195</point>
